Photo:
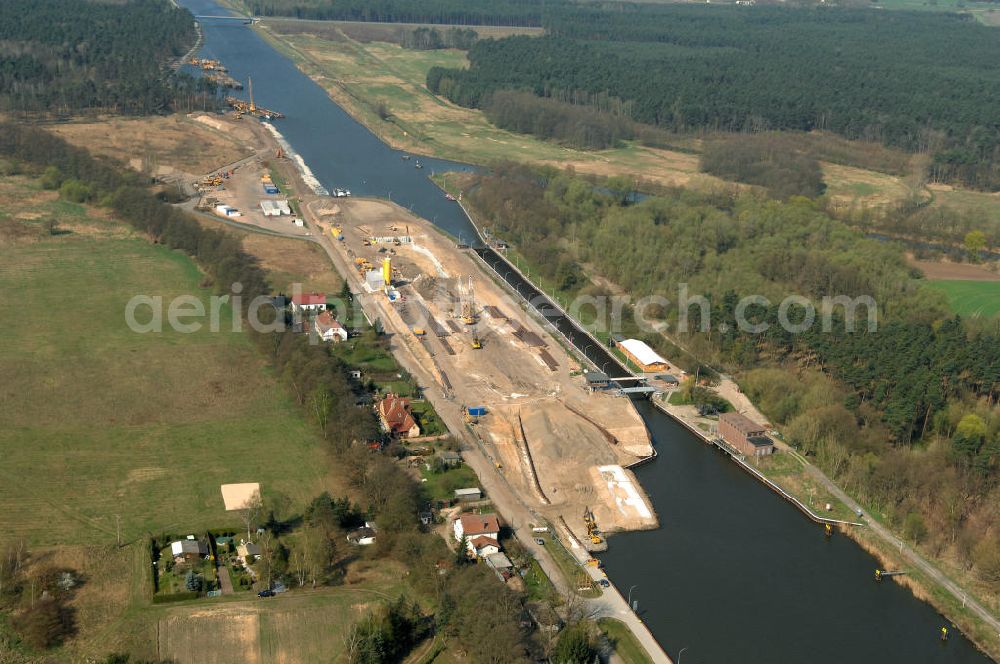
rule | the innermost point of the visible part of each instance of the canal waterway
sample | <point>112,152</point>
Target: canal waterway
<point>735,573</point>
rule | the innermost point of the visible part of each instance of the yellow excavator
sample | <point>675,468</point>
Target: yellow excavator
<point>592,531</point>
<point>476,343</point>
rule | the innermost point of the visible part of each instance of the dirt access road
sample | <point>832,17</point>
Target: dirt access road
<point>559,446</point>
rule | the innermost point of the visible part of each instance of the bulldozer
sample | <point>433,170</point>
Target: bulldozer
<point>476,343</point>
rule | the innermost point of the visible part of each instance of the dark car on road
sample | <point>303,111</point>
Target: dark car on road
<point>605,583</point>
<point>265,593</point>
<point>539,541</point>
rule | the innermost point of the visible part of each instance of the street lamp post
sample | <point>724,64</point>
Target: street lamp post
<point>680,652</point>
<point>630,595</point>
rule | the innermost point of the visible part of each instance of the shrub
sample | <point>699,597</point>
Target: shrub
<point>45,624</point>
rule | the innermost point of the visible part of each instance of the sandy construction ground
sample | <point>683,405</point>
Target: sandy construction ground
<point>544,430</point>
<point>178,146</point>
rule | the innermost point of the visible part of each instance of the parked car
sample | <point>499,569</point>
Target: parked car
<point>265,593</point>
<point>605,583</point>
<point>539,541</point>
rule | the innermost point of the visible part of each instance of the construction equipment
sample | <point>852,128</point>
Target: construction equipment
<point>473,413</point>
<point>251,108</point>
<point>469,316</point>
<point>476,343</point>
<point>419,331</point>
<point>387,271</point>
<point>592,530</point>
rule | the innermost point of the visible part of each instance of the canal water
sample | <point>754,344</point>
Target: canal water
<point>735,573</point>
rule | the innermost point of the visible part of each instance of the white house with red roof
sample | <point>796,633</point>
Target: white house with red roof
<point>481,533</point>
<point>310,302</point>
<point>483,546</point>
<point>329,328</point>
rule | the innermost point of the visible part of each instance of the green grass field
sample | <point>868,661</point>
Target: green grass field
<point>975,299</point>
<point>441,486</point>
<point>104,423</point>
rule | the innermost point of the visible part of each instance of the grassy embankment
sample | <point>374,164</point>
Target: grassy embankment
<point>104,424</point>
<point>624,642</point>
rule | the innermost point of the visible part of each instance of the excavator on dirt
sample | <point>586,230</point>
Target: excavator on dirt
<point>592,530</point>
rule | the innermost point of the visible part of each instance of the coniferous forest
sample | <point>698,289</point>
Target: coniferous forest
<point>920,81</point>
<point>459,12</point>
<point>66,56</point>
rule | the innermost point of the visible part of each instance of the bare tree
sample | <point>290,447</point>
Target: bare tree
<point>250,512</point>
<point>352,642</point>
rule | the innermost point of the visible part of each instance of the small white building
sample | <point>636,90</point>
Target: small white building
<point>188,549</point>
<point>226,211</point>
<point>270,208</point>
<point>283,207</point>
<point>363,536</point>
<point>642,355</point>
<point>309,302</point>
<point>329,328</point>
<point>298,222</point>
<point>483,546</point>
<point>472,493</point>
<point>374,280</point>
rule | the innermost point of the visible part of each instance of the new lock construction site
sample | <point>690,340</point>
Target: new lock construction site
<point>562,447</point>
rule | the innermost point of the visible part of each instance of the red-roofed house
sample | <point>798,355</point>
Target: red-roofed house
<point>481,531</point>
<point>394,411</point>
<point>329,328</point>
<point>309,302</point>
<point>484,546</point>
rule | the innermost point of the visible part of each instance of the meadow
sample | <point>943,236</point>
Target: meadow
<point>104,425</point>
<point>974,299</point>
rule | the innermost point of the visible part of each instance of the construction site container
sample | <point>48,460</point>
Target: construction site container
<point>270,208</point>
<point>477,411</point>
